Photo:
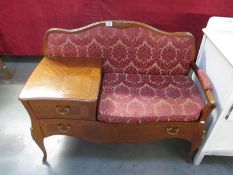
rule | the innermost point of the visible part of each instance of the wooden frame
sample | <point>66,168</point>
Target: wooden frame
<point>102,132</point>
<point>120,24</point>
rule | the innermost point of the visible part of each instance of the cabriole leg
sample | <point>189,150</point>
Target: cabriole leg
<point>196,142</point>
<point>194,147</point>
<point>39,139</point>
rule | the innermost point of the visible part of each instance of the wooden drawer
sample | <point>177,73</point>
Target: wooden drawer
<point>64,109</point>
<point>102,132</point>
<point>57,127</point>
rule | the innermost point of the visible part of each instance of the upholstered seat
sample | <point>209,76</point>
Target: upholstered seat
<point>139,98</point>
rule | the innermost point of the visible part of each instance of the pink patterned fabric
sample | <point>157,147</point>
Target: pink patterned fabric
<point>207,85</point>
<point>137,98</point>
<point>129,50</point>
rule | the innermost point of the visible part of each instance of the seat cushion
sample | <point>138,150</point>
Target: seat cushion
<point>139,98</point>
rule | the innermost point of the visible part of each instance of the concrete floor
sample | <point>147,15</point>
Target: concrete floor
<point>66,155</point>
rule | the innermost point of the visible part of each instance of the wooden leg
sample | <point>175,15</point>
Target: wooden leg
<point>36,131</point>
<point>5,69</point>
<point>194,146</point>
<point>198,157</point>
<point>39,139</point>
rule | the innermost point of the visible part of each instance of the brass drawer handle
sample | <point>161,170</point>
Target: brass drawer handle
<point>64,128</point>
<point>63,110</point>
<point>173,131</point>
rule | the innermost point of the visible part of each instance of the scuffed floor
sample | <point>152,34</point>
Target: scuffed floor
<point>66,155</point>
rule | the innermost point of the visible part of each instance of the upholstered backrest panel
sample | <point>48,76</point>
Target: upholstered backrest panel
<point>135,49</point>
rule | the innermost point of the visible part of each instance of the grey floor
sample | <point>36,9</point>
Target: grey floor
<point>66,155</point>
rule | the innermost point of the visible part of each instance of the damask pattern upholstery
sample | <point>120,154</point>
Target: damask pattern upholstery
<point>130,50</point>
<point>145,71</point>
<point>139,98</point>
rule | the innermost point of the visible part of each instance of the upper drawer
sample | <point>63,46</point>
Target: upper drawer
<point>64,109</point>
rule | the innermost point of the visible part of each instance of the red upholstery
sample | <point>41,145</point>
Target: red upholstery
<point>137,98</point>
<point>207,85</point>
<point>132,50</point>
<point>145,72</point>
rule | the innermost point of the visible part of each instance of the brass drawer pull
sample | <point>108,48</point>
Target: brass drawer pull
<point>63,110</point>
<point>173,131</point>
<point>64,128</point>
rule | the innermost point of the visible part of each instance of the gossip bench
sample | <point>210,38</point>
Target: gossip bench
<point>118,82</point>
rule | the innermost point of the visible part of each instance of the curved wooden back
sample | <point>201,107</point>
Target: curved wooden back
<point>125,46</point>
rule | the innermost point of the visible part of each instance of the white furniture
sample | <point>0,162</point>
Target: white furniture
<point>216,58</point>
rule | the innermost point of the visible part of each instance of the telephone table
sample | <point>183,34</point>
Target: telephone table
<point>59,94</point>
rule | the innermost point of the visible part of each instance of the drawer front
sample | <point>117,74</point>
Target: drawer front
<point>64,109</point>
<point>57,127</point>
<point>114,133</point>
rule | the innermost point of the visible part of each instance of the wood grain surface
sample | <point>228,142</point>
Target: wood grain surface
<point>77,79</point>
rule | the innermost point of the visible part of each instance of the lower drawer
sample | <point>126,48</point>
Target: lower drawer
<point>117,133</point>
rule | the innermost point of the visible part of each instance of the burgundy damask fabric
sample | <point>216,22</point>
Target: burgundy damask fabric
<point>145,72</point>
<point>139,98</point>
<point>207,85</point>
<point>133,50</point>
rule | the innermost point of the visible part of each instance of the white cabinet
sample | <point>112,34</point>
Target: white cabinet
<point>215,57</point>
